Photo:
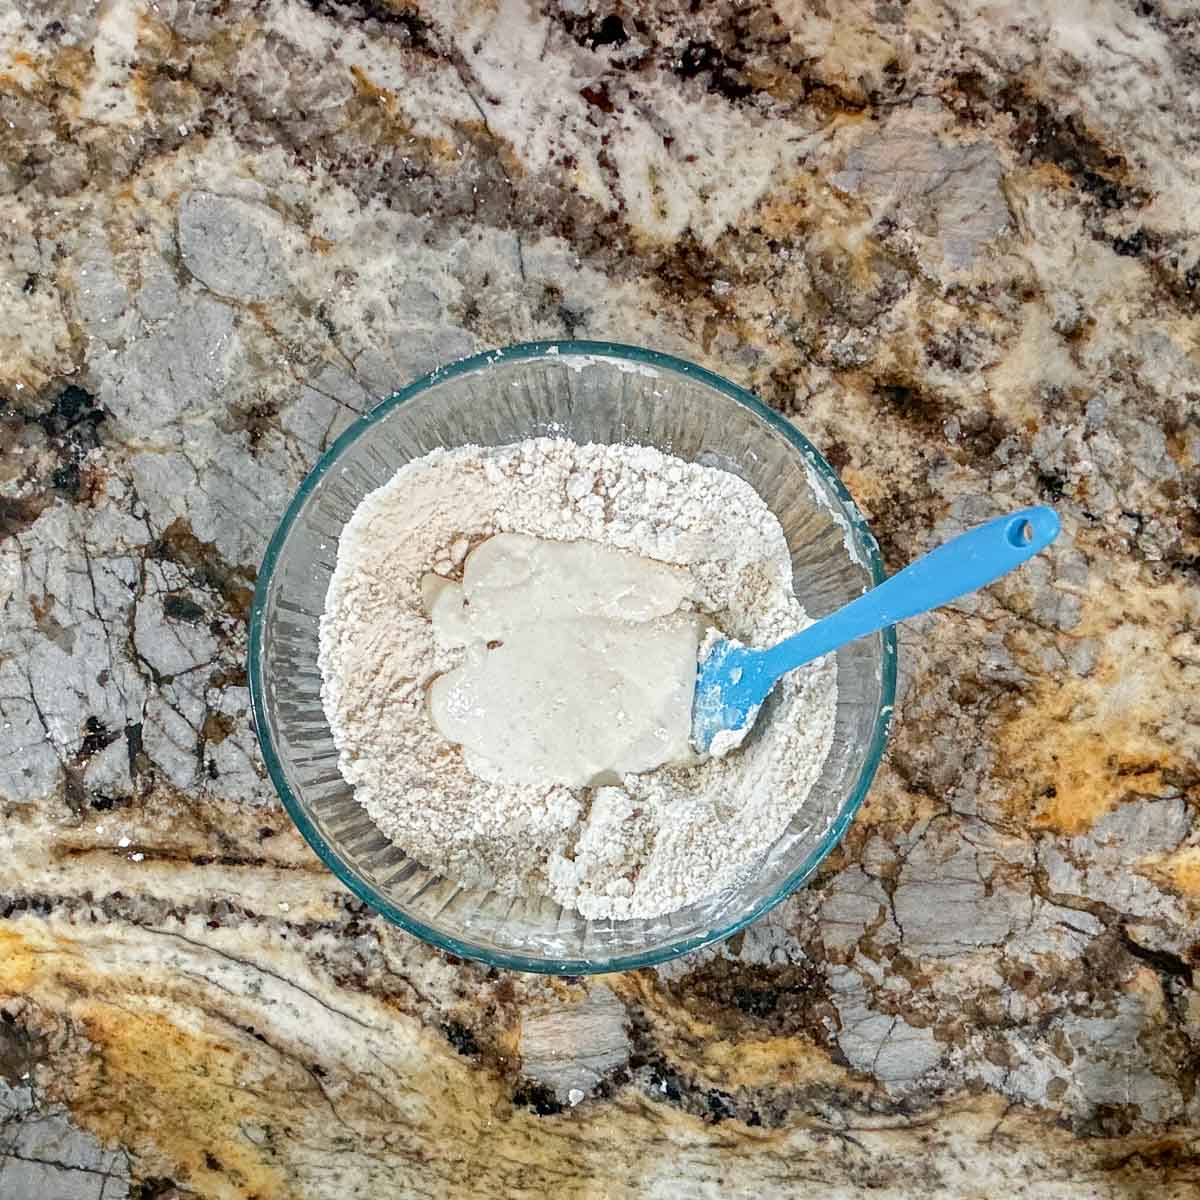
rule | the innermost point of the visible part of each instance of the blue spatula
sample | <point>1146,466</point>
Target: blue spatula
<point>734,680</point>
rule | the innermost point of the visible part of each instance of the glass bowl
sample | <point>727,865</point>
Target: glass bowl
<point>588,392</point>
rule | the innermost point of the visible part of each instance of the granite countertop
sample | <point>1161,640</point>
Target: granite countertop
<point>958,243</point>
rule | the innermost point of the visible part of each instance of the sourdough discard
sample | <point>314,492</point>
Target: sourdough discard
<point>660,840</point>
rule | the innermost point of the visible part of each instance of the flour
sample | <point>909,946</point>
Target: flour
<point>660,840</point>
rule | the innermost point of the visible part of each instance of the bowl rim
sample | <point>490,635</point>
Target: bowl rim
<point>366,892</point>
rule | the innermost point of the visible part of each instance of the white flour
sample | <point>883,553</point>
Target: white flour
<point>661,840</point>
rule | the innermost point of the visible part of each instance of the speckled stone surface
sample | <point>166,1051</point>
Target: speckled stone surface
<point>958,243</point>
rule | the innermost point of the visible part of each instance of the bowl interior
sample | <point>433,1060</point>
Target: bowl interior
<point>588,392</point>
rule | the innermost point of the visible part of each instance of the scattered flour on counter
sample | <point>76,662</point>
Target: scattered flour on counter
<point>660,840</point>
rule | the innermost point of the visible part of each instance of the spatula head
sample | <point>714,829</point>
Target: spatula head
<point>729,693</point>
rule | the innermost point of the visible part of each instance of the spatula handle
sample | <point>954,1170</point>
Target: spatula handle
<point>964,564</point>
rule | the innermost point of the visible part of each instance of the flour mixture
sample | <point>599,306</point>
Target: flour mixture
<point>579,666</point>
<point>633,844</point>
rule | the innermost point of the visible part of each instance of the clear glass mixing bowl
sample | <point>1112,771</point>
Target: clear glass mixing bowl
<point>589,392</point>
